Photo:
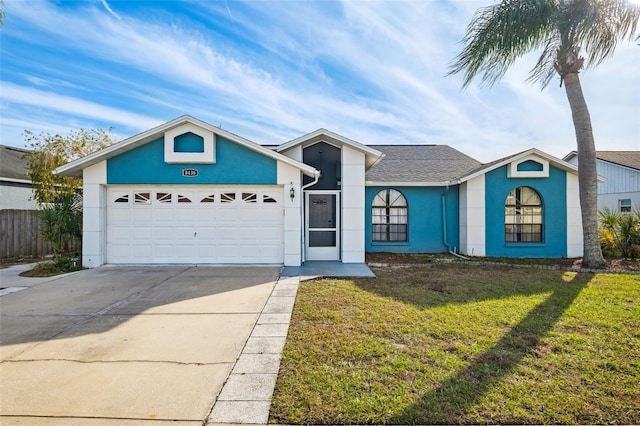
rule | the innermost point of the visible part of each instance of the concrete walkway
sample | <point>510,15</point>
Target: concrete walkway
<point>12,282</point>
<point>246,395</point>
<point>312,269</point>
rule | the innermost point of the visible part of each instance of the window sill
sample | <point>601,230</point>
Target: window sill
<point>525,245</point>
<point>389,243</point>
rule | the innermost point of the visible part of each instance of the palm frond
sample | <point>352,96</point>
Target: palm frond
<point>600,24</point>
<point>500,34</point>
<point>562,29</point>
<point>544,70</point>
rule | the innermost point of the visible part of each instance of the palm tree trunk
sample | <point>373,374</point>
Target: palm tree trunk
<point>587,173</point>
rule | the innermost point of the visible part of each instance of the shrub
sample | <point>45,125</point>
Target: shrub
<point>619,232</point>
<point>61,222</point>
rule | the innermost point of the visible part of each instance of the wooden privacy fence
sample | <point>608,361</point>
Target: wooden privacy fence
<point>20,235</point>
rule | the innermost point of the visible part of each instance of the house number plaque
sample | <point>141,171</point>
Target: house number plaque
<point>189,172</point>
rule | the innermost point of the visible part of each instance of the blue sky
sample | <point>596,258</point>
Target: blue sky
<point>270,71</point>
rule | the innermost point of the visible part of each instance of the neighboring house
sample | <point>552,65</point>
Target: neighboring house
<point>15,183</point>
<point>621,169</point>
<point>190,192</point>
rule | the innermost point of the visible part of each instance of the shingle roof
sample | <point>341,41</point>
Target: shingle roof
<point>623,158</point>
<point>420,163</point>
<point>487,166</point>
<point>12,163</point>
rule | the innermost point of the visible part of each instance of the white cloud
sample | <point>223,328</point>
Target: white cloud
<point>26,96</point>
<point>106,6</point>
<point>270,71</point>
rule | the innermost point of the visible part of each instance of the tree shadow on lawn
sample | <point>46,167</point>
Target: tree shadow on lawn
<point>460,284</point>
<point>451,402</point>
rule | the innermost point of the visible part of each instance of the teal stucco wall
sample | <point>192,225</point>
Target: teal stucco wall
<point>425,219</point>
<point>235,165</point>
<point>552,190</point>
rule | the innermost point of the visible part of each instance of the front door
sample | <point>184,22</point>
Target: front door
<point>322,224</point>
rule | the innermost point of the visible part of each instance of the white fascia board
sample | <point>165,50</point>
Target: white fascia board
<point>74,168</point>
<point>373,183</point>
<point>12,180</point>
<point>561,164</point>
<point>374,156</point>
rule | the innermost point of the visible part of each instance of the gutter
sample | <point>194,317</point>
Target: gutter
<point>444,226</point>
<point>316,177</point>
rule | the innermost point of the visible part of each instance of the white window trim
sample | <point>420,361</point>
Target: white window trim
<point>629,206</point>
<point>173,157</point>
<point>513,171</point>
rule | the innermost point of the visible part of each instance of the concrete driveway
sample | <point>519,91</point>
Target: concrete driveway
<point>125,345</point>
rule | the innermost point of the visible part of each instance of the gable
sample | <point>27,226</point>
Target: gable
<point>195,141</point>
<point>371,155</point>
<point>234,164</point>
<point>531,163</point>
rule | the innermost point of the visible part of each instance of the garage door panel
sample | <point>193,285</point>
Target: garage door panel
<point>185,216</point>
<point>141,216</point>
<point>166,236</point>
<point>120,250</point>
<point>142,233</point>
<point>210,225</point>
<point>248,234</point>
<point>250,251</point>
<point>205,215</point>
<point>207,233</point>
<point>120,215</point>
<point>206,251</point>
<point>163,251</point>
<point>119,234</point>
<point>163,216</point>
<point>227,214</point>
<point>142,252</point>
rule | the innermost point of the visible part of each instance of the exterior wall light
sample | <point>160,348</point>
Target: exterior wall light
<point>292,193</point>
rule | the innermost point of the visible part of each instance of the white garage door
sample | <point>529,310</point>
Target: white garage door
<point>205,225</point>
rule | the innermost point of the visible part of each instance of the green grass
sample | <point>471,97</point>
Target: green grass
<point>460,344</point>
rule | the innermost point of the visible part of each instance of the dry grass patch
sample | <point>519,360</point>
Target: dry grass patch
<point>456,344</point>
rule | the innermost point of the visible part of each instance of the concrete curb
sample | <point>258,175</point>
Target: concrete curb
<point>246,395</point>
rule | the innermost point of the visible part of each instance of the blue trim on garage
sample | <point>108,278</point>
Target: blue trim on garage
<point>235,165</point>
<point>425,230</point>
<point>552,190</point>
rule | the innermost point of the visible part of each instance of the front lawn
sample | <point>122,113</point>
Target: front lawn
<point>454,344</point>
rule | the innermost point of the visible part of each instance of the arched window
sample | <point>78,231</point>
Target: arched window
<point>389,216</point>
<point>523,216</point>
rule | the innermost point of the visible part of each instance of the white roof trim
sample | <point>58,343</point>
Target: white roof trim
<point>567,167</point>
<point>6,179</point>
<point>374,156</point>
<point>74,168</point>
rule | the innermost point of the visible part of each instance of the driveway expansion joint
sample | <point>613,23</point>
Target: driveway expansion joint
<point>246,394</point>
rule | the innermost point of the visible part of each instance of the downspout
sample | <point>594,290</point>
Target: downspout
<point>444,225</point>
<point>316,177</point>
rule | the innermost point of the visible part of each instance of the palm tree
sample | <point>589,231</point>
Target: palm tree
<point>571,35</point>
